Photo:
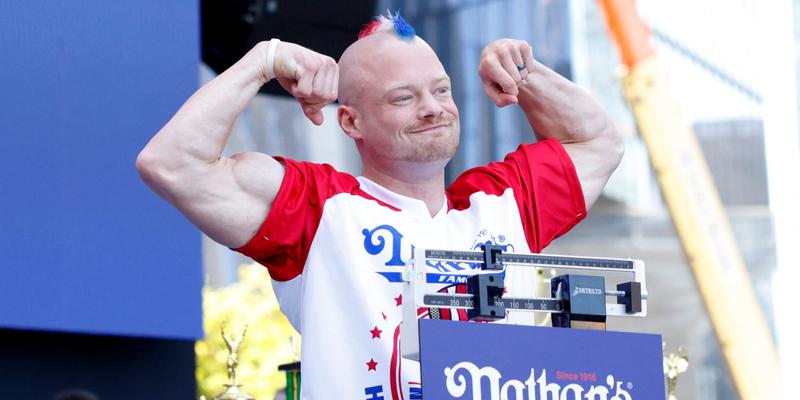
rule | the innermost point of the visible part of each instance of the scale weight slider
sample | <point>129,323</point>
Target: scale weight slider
<point>485,288</point>
<point>584,301</point>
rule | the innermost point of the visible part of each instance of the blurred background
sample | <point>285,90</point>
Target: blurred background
<point>102,284</point>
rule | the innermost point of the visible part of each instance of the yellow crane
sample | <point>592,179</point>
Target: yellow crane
<point>696,210</point>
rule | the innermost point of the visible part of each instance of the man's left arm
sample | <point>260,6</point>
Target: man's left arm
<point>556,108</point>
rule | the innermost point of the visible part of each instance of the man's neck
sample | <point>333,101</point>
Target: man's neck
<point>428,187</point>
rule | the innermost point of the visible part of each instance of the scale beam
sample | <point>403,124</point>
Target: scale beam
<point>577,299</point>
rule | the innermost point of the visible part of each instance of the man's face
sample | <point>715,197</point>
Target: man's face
<point>406,107</point>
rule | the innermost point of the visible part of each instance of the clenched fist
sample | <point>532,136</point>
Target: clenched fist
<point>504,65</point>
<point>312,78</point>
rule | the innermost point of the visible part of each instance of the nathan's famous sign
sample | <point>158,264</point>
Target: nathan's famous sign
<point>503,362</point>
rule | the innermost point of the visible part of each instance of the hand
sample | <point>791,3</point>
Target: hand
<point>312,78</point>
<point>498,69</point>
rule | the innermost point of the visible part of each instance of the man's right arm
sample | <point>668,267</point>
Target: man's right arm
<point>228,198</point>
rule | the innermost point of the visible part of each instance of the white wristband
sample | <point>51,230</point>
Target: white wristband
<point>271,50</point>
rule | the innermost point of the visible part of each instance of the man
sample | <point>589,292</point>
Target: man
<point>334,244</point>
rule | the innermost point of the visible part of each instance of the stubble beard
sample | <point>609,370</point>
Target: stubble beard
<point>443,148</point>
<point>434,147</point>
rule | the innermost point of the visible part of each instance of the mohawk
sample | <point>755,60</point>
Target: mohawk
<point>389,23</point>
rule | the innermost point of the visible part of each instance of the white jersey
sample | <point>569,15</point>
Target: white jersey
<point>335,246</point>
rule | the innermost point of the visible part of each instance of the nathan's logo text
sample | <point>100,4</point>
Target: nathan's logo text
<point>465,376</point>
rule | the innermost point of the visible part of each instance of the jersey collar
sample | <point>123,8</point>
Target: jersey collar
<point>405,203</point>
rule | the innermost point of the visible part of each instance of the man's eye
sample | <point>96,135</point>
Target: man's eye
<point>443,90</point>
<point>402,99</point>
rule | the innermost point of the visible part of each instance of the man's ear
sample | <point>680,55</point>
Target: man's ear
<point>348,120</point>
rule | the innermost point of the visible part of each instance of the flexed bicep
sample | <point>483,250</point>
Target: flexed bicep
<point>229,198</point>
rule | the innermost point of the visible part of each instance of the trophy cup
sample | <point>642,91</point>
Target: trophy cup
<point>232,392</point>
<point>674,365</point>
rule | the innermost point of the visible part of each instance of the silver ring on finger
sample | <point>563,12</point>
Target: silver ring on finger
<point>521,67</point>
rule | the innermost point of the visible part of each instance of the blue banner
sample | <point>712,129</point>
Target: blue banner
<point>85,247</point>
<point>495,361</point>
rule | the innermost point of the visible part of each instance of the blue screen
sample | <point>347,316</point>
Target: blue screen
<point>84,245</point>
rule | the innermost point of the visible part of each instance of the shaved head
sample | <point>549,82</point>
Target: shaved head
<point>370,61</point>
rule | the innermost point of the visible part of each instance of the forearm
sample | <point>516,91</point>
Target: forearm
<point>557,108</point>
<point>198,132</point>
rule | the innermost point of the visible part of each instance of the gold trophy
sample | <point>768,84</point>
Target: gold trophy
<point>232,392</point>
<point>674,365</point>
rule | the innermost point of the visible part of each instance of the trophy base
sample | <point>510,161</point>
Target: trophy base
<point>233,393</point>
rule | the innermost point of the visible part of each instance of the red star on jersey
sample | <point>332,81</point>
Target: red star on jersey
<point>399,300</point>
<point>372,365</point>
<point>376,333</point>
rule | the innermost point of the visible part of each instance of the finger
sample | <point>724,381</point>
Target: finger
<point>312,108</point>
<point>323,89</point>
<point>316,117</point>
<point>527,56</point>
<point>497,95</point>
<point>510,66</point>
<point>330,90</point>
<point>336,81</point>
<point>318,87</point>
<point>505,81</point>
<point>313,112</point>
<point>492,71</point>
<point>324,86</point>
<point>519,60</point>
<point>304,86</point>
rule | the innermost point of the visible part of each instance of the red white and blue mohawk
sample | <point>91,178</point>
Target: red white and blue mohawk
<point>389,23</point>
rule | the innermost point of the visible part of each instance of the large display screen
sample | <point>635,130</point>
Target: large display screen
<point>84,245</point>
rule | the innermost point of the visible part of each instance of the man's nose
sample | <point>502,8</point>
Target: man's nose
<point>429,107</point>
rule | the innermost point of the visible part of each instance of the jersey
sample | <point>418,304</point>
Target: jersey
<point>335,246</point>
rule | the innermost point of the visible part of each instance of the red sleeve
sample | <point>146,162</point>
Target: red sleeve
<point>283,241</point>
<point>545,184</point>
